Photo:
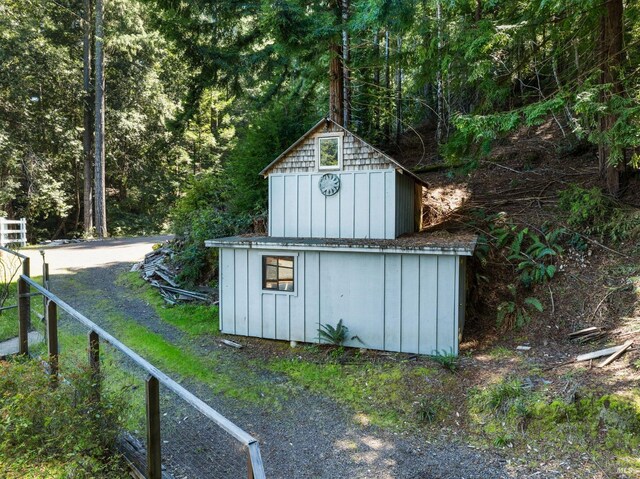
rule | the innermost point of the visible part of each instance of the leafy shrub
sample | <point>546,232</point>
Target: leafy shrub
<point>201,215</point>
<point>586,207</point>
<point>62,428</point>
<point>597,214</point>
<point>515,313</point>
<point>530,256</point>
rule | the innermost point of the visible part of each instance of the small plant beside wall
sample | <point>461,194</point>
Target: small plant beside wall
<point>335,336</point>
<point>447,360</point>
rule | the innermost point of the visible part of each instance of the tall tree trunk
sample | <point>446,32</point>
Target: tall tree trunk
<point>439,86</point>
<point>399,90</point>
<point>478,14</point>
<point>87,137</point>
<point>346,86</point>
<point>387,87</point>
<point>100,195</point>
<point>611,36</point>
<point>376,83</point>
<point>336,101</point>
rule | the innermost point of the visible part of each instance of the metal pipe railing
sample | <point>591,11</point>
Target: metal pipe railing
<point>255,465</point>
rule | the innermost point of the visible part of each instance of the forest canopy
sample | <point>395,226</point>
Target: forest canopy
<point>209,92</point>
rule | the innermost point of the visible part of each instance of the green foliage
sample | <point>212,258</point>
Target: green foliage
<point>507,397</point>
<point>335,336</point>
<point>515,312</point>
<point>427,410</point>
<point>529,255</point>
<point>201,215</point>
<point>41,117</point>
<point>61,430</point>
<point>595,213</point>
<point>446,359</point>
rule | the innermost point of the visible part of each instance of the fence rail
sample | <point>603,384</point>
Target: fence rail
<point>155,377</point>
<point>9,234</point>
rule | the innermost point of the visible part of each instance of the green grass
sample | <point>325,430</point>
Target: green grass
<point>9,318</point>
<point>196,320</point>
<point>56,432</point>
<point>388,394</point>
<point>223,376</point>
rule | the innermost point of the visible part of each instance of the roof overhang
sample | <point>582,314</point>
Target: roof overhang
<point>464,247</point>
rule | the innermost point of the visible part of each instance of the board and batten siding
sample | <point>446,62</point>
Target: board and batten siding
<point>410,303</point>
<point>375,204</point>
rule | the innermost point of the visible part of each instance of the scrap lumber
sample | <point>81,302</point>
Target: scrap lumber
<point>598,354</point>
<point>584,331</point>
<point>232,344</point>
<point>616,355</point>
<point>157,269</point>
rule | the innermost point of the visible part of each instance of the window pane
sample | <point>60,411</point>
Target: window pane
<point>273,260</point>
<point>286,262</point>
<point>286,274</point>
<point>328,151</point>
<point>271,272</point>
<point>278,273</point>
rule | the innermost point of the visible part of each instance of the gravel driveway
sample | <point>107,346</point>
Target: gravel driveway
<point>309,436</point>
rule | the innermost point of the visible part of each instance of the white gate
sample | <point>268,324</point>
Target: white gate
<point>13,231</point>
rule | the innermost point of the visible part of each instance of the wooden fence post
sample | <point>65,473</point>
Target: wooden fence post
<point>24,316</point>
<point>52,339</point>
<point>94,364</point>
<point>249,465</point>
<point>26,267</point>
<point>2,220</point>
<point>154,455</point>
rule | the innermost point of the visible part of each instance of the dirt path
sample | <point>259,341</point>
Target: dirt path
<point>309,436</point>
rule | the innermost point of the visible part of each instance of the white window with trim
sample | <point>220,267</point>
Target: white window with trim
<point>329,151</point>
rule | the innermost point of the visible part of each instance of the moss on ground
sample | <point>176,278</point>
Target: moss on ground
<point>507,413</point>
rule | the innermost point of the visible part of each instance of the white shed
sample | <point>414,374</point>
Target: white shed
<point>344,245</point>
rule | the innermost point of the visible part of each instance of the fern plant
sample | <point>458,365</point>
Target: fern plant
<point>534,263</point>
<point>335,336</point>
<point>515,313</point>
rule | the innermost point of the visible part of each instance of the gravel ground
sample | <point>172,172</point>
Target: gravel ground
<point>308,437</point>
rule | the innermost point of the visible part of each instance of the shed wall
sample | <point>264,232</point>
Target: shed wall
<point>405,204</point>
<point>365,206</point>
<point>395,302</point>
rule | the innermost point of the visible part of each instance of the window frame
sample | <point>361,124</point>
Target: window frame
<point>334,134</point>
<point>294,272</point>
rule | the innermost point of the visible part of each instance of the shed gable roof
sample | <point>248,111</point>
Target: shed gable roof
<point>327,122</point>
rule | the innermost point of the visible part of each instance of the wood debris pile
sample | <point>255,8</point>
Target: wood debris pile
<point>593,333</point>
<point>588,334</point>
<point>157,270</point>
